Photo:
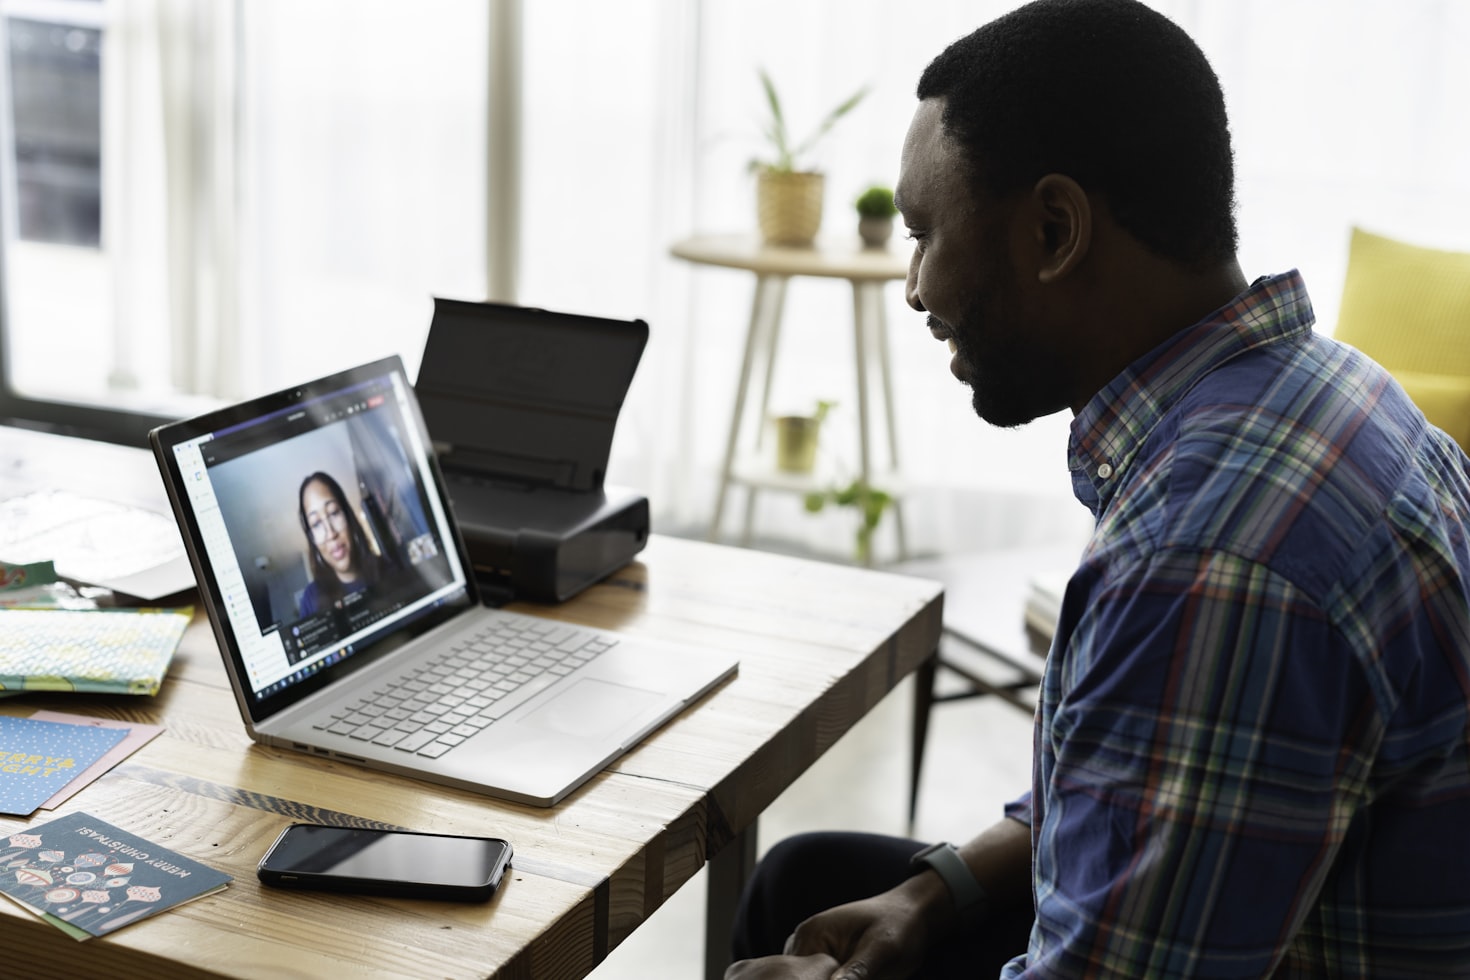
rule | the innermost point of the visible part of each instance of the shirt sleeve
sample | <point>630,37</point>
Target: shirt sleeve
<point>1019,809</point>
<point>1208,744</point>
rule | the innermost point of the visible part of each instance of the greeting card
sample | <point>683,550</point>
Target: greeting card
<point>137,735</point>
<point>87,877</point>
<point>38,758</point>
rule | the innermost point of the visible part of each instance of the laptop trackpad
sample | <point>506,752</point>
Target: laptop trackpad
<point>591,707</point>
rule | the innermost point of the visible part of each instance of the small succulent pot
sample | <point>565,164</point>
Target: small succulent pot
<point>875,232</point>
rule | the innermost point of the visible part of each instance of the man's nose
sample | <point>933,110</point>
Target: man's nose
<point>911,284</point>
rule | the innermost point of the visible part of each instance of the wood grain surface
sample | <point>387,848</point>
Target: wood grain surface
<point>818,644</point>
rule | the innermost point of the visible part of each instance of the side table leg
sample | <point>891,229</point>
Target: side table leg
<point>728,871</point>
<point>880,343</point>
<point>860,355</point>
<point>749,519</point>
<point>772,331</point>
<point>752,342</point>
<point>770,335</point>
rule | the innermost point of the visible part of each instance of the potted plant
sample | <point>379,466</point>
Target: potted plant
<point>788,197</point>
<point>796,439</point>
<point>875,210</point>
<point>870,503</point>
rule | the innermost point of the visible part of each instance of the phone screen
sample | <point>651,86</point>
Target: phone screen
<point>384,861</point>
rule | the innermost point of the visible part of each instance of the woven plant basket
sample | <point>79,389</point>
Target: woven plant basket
<point>788,206</point>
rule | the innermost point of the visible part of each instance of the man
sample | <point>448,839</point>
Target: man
<point>1251,738</point>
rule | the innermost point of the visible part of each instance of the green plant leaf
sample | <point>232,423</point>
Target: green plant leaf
<point>876,202</point>
<point>832,117</point>
<point>786,156</point>
<point>776,132</point>
<point>870,502</point>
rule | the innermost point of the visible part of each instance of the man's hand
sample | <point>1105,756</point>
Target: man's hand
<point>818,967</point>
<point>875,939</point>
<point>887,937</point>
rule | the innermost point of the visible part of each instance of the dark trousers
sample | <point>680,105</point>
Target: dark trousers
<point>809,873</point>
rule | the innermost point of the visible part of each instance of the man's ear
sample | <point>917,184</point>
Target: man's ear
<point>1063,228</point>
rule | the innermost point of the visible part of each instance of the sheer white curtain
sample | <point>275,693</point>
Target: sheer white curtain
<point>639,123</point>
<point>170,200</point>
<point>362,177</point>
<point>286,184</point>
<point>315,172</point>
<point>1345,113</point>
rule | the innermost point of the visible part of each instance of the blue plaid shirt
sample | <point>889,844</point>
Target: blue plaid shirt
<point>1251,741</point>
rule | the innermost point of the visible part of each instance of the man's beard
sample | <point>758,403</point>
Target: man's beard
<point>1010,380</point>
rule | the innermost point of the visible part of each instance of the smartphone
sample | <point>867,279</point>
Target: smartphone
<point>385,862</point>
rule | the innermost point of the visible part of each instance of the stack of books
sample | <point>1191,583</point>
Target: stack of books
<point>1044,605</point>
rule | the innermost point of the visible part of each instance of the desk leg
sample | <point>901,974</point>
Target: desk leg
<point>728,872</point>
<point>754,342</point>
<point>923,701</point>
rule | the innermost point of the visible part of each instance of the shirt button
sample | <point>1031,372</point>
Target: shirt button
<point>1105,471</point>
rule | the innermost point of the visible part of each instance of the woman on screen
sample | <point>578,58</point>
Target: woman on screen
<point>342,562</point>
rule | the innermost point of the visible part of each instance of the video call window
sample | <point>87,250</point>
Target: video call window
<point>330,527</point>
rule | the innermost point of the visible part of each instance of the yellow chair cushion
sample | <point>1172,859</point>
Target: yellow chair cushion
<point>1408,308</point>
<point>1444,400</point>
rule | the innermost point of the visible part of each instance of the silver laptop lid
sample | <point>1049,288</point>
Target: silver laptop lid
<point>319,530</point>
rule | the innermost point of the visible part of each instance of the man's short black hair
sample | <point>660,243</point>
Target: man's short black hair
<point>1109,93</point>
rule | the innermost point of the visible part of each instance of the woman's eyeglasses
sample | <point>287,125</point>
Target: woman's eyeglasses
<point>331,519</point>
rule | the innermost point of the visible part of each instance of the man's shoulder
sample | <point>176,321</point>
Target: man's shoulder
<point>1291,456</point>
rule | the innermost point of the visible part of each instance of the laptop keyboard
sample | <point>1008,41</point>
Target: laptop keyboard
<point>455,695</point>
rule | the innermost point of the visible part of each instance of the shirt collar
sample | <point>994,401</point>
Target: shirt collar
<point>1112,426</point>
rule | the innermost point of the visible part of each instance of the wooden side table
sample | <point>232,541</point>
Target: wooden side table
<point>868,270</point>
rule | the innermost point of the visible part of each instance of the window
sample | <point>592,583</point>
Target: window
<point>203,201</point>
<point>56,86</point>
<point>51,197</point>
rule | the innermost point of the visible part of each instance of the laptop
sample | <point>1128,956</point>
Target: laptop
<point>348,616</point>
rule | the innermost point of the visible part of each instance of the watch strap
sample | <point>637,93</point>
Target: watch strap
<point>944,859</point>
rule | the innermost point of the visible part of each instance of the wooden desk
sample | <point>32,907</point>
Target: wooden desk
<point>868,270</point>
<point>819,645</point>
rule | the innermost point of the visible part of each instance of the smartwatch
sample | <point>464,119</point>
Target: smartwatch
<point>969,898</point>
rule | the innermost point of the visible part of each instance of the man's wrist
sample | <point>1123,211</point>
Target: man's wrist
<point>969,900</point>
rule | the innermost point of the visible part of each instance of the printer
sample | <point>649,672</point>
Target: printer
<point>521,405</point>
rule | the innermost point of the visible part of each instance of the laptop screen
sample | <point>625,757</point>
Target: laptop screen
<point>317,520</point>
